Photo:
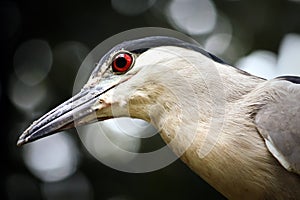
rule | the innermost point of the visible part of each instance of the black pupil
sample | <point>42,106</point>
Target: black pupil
<point>121,62</point>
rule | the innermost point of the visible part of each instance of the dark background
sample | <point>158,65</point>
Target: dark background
<point>256,24</point>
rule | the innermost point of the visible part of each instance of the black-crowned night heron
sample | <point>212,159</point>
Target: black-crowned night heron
<point>256,154</point>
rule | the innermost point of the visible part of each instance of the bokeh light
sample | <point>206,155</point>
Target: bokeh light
<point>53,158</point>
<point>108,143</point>
<point>26,97</point>
<point>217,43</point>
<point>33,61</point>
<point>268,65</point>
<point>192,16</point>
<point>289,55</point>
<point>260,63</point>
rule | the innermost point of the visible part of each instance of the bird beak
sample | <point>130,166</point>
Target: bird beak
<point>78,110</point>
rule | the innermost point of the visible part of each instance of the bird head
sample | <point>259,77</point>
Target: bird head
<point>138,78</point>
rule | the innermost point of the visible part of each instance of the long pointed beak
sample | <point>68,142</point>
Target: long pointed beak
<point>78,110</point>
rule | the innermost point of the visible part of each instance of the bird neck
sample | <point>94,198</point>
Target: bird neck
<point>193,120</point>
<point>202,110</point>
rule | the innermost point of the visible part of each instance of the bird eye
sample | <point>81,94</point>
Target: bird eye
<point>122,62</point>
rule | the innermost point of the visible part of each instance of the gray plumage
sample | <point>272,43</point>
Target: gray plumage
<point>279,122</point>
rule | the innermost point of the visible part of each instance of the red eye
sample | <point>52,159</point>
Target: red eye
<point>122,62</point>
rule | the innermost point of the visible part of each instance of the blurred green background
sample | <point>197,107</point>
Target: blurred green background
<point>43,44</point>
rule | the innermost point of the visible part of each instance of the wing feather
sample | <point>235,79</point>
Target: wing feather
<point>279,123</point>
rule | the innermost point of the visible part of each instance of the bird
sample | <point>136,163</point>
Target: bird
<point>238,132</point>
